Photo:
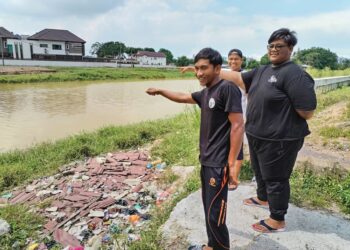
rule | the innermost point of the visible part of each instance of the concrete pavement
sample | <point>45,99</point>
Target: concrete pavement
<point>306,229</point>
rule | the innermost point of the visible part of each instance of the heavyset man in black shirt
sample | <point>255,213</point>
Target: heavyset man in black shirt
<point>281,98</point>
<point>221,134</point>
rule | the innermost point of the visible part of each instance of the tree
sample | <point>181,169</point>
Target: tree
<point>264,60</point>
<point>251,63</point>
<point>344,63</point>
<point>169,56</point>
<point>95,47</point>
<point>132,50</point>
<point>108,49</point>
<point>318,58</point>
<point>183,61</point>
<point>149,49</point>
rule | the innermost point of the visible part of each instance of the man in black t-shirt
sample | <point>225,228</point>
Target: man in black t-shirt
<point>281,98</point>
<point>221,133</point>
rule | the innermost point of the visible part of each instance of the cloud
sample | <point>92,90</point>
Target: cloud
<point>57,8</point>
<point>183,27</point>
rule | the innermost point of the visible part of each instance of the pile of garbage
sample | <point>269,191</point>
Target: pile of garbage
<point>89,202</point>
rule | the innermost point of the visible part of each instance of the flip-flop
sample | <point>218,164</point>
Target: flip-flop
<point>254,203</point>
<point>268,229</point>
<point>232,188</point>
<point>196,247</point>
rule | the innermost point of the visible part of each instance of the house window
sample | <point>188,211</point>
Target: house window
<point>43,45</point>
<point>5,44</point>
<point>67,46</point>
<point>56,46</point>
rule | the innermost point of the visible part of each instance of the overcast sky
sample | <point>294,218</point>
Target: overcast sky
<point>186,26</point>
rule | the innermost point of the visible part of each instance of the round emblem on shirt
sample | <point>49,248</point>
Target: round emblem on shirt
<point>211,103</point>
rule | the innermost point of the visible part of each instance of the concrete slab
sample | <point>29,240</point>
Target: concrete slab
<point>306,229</point>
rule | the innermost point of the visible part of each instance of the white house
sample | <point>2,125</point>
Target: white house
<point>48,44</point>
<point>151,58</point>
<point>6,50</point>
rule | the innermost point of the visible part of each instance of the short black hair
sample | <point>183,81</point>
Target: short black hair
<point>212,55</point>
<point>288,36</point>
<point>236,51</point>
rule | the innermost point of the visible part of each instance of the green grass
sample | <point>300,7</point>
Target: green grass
<point>319,73</point>
<point>327,99</point>
<point>347,112</point>
<point>178,145</point>
<point>335,132</point>
<point>181,131</point>
<point>19,166</point>
<point>330,98</point>
<point>24,225</point>
<point>310,187</point>
<point>95,74</point>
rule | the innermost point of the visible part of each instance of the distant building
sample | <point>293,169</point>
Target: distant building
<point>151,58</point>
<point>52,44</point>
<point>5,49</point>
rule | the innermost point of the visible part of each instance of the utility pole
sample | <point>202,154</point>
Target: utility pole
<point>2,52</point>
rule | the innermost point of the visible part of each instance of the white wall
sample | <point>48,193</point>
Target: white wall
<point>25,46</point>
<point>38,50</point>
<point>145,60</point>
<point>76,64</point>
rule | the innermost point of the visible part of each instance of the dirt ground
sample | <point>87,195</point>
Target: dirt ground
<point>326,152</point>
<point>12,70</point>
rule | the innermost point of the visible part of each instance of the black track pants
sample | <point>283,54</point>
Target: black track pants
<point>272,163</point>
<point>214,196</point>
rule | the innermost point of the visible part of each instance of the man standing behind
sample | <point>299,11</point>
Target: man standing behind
<point>221,133</point>
<point>235,61</point>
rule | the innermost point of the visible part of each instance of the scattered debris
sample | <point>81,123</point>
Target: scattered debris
<point>89,201</point>
<point>4,227</point>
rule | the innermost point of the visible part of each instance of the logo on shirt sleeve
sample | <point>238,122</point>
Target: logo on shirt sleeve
<point>211,103</point>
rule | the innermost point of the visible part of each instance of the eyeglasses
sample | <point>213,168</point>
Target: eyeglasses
<point>276,46</point>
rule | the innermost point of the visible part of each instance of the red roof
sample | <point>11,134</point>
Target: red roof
<point>56,35</point>
<point>150,54</point>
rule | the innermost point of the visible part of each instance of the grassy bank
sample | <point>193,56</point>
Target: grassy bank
<point>64,74</point>
<point>330,126</point>
<point>178,145</point>
<point>95,74</point>
<point>17,167</point>
<point>319,73</point>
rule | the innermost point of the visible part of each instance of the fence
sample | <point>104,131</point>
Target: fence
<point>330,83</point>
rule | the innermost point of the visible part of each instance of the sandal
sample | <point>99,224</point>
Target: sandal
<point>262,227</point>
<point>253,202</point>
<point>232,186</point>
<point>196,247</point>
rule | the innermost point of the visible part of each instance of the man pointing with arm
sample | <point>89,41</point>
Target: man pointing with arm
<point>221,132</point>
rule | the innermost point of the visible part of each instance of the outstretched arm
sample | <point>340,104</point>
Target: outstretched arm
<point>171,95</point>
<point>187,69</point>
<point>236,136</point>
<point>233,76</point>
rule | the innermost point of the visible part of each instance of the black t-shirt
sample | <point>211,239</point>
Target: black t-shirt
<point>274,94</point>
<point>216,103</point>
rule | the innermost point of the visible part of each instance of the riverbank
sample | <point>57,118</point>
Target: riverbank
<point>175,141</point>
<point>11,74</point>
<point>61,74</point>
